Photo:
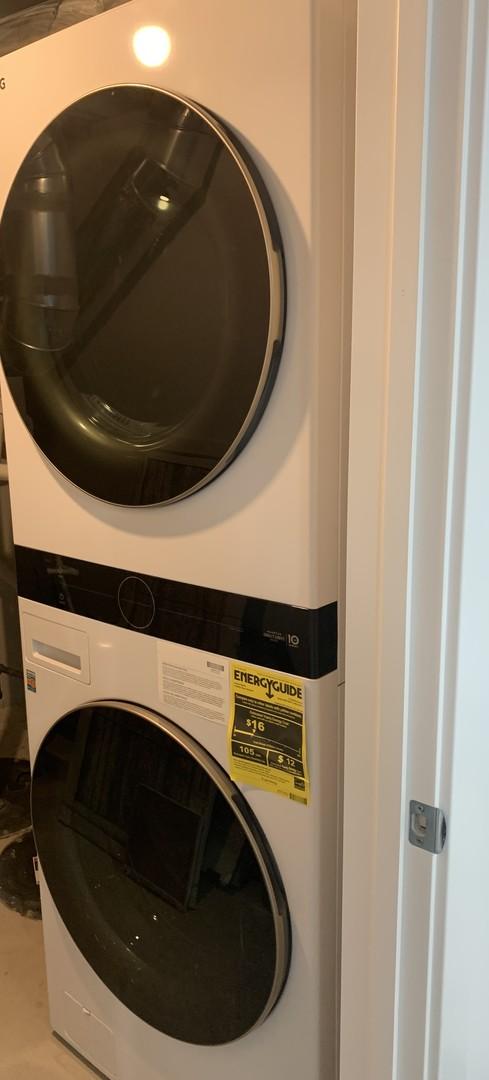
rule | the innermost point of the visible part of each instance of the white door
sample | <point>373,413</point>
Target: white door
<point>416,925</point>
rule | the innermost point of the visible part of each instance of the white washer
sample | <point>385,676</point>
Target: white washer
<point>189,922</point>
<point>142,329</point>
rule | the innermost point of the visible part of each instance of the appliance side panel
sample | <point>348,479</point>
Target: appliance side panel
<point>332,193</point>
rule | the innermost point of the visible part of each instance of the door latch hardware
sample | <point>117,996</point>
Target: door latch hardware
<point>427,827</point>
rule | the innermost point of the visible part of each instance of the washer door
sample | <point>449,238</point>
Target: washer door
<point>142,295</point>
<point>160,872</point>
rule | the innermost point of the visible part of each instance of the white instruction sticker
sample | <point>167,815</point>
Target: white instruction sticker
<point>193,681</point>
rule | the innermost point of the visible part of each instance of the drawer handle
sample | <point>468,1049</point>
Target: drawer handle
<point>59,657</point>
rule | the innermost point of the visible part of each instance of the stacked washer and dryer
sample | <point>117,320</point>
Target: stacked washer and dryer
<point>171,334</point>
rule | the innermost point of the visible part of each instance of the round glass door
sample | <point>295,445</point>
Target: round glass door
<point>160,872</point>
<point>141,295</point>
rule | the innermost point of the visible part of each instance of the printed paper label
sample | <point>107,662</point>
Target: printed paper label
<point>30,681</point>
<point>194,681</point>
<point>267,733</point>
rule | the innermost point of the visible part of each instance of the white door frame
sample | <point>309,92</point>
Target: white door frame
<point>417,169</point>
<point>443,926</point>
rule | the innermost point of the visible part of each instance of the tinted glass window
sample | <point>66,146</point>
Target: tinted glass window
<point>172,897</point>
<point>141,295</point>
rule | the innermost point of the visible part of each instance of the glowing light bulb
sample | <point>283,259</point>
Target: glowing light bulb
<point>152,45</point>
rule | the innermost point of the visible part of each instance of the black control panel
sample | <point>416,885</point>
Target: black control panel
<point>300,641</point>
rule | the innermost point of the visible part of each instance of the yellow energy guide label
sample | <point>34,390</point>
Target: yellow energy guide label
<point>267,732</point>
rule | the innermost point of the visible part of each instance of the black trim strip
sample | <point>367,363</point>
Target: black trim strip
<point>300,641</point>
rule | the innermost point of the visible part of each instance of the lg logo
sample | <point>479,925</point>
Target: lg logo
<point>2,84</point>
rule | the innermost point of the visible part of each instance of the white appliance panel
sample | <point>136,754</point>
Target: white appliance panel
<point>300,1032</point>
<point>267,526</point>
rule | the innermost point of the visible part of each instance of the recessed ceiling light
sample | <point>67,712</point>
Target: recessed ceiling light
<point>151,45</point>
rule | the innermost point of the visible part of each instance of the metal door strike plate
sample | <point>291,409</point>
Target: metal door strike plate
<point>427,827</point>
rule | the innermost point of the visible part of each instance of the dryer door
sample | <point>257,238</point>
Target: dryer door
<point>160,872</point>
<point>142,295</point>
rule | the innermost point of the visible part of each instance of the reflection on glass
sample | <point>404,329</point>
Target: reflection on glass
<point>22,21</point>
<point>40,292</point>
<point>154,875</point>
<point>143,208</point>
<point>135,295</point>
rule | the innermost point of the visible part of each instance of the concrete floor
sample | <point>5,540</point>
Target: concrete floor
<point>28,1050</point>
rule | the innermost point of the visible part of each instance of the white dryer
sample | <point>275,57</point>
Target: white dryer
<point>190,921</point>
<point>171,272</point>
